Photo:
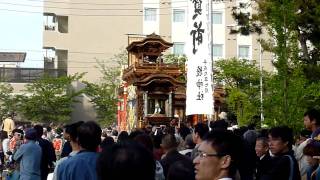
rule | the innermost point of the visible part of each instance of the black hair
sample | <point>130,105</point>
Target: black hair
<point>145,140</point>
<point>226,143</point>
<point>71,129</point>
<point>264,140</point>
<point>184,131</point>
<point>39,130</point>
<point>114,132</point>
<point>312,149</point>
<point>305,133</point>
<point>4,135</point>
<point>126,160</point>
<point>17,131</point>
<point>123,136</point>
<point>219,125</point>
<point>49,129</point>
<point>284,133</point>
<point>107,142</point>
<point>202,129</point>
<point>314,115</point>
<point>169,141</point>
<point>135,133</point>
<point>181,170</point>
<point>89,135</point>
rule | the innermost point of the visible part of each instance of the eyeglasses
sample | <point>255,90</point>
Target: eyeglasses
<point>204,155</point>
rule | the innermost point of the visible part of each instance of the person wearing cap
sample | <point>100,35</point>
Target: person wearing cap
<point>29,157</point>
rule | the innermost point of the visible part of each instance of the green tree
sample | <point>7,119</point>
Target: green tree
<point>301,95</point>
<point>49,99</point>
<point>8,102</point>
<point>104,94</point>
<point>178,60</point>
<point>289,23</point>
<point>241,79</point>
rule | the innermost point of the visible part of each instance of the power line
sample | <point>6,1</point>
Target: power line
<point>91,9</point>
<point>102,4</point>
<point>87,15</point>
<point>43,51</point>
<point>95,15</point>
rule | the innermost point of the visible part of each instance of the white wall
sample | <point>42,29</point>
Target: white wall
<point>179,29</point>
<point>151,26</point>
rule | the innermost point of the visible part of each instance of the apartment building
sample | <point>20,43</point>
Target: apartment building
<point>78,33</point>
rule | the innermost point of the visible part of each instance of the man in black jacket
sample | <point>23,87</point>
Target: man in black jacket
<point>284,166</point>
<point>169,145</point>
<point>263,156</point>
<point>48,153</point>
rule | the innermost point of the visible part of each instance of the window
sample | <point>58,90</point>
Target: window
<point>150,14</point>
<point>178,48</point>
<point>49,54</point>
<point>243,52</point>
<point>178,15</point>
<point>49,22</point>
<point>217,50</point>
<point>216,17</point>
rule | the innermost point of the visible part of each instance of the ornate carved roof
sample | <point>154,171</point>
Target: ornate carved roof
<point>153,43</point>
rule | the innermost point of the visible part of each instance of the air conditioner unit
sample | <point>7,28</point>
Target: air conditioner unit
<point>49,59</point>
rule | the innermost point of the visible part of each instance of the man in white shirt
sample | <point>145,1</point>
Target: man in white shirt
<point>218,156</point>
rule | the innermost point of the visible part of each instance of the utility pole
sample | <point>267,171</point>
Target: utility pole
<point>211,56</point>
<point>261,83</point>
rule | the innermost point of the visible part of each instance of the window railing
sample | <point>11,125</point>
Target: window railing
<point>49,28</point>
<point>25,75</point>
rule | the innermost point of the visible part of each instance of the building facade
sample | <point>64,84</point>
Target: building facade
<point>78,33</point>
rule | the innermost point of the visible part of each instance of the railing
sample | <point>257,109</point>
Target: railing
<point>24,75</point>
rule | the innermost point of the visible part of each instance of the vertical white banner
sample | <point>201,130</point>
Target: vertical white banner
<point>199,65</point>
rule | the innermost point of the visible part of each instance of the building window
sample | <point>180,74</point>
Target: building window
<point>150,14</point>
<point>178,48</point>
<point>49,22</point>
<point>216,17</point>
<point>243,52</point>
<point>49,54</point>
<point>217,50</point>
<point>178,15</point>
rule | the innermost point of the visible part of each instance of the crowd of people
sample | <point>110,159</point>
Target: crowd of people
<point>83,150</point>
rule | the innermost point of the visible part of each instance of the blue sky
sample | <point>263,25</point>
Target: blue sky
<point>22,32</point>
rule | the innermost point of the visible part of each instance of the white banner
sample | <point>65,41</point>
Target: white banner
<point>199,65</point>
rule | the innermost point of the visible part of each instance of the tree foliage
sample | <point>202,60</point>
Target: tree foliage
<point>293,28</point>
<point>104,94</point>
<point>8,102</point>
<point>180,61</point>
<point>49,99</point>
<point>241,80</point>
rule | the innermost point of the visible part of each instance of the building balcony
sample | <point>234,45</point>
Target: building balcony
<point>27,75</point>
